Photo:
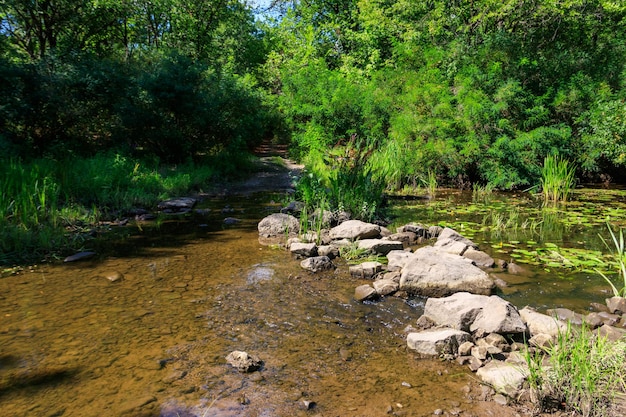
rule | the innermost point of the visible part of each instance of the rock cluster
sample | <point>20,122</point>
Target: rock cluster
<point>462,319</point>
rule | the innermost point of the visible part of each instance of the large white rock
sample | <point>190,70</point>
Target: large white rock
<point>432,272</point>
<point>475,313</point>
<point>506,378</point>
<point>437,342</point>
<point>279,224</point>
<point>355,229</point>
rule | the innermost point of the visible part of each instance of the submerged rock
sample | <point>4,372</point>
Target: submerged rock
<point>243,361</point>
<point>317,263</point>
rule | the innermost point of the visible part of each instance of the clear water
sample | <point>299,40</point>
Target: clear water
<point>72,343</point>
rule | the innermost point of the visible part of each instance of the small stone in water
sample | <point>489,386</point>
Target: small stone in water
<point>114,276</point>
<point>308,405</point>
<point>406,384</point>
<point>438,412</point>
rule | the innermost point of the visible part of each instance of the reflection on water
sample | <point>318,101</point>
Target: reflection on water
<point>72,343</point>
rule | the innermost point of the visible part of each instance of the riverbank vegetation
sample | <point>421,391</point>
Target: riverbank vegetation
<point>373,96</point>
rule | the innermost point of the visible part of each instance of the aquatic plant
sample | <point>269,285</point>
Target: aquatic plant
<point>618,253</point>
<point>584,372</point>
<point>557,179</point>
<point>431,183</point>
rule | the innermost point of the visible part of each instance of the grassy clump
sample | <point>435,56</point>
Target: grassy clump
<point>557,179</point>
<point>45,202</point>
<point>584,373</point>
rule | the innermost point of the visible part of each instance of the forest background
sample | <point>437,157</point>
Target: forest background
<point>106,105</point>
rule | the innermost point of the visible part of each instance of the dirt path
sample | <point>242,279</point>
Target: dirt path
<point>273,172</point>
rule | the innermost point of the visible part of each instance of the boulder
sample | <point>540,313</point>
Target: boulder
<point>506,378</point>
<point>355,229</point>
<point>542,323</point>
<point>475,313</point>
<point>380,246</point>
<point>431,272</point>
<point>303,249</point>
<point>279,224</point>
<point>244,362</point>
<point>317,263</point>
<point>437,342</point>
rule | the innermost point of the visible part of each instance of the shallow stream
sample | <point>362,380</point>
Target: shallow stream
<point>72,343</point>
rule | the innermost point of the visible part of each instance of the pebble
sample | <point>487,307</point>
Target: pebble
<point>114,276</point>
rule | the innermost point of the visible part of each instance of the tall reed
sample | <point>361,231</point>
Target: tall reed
<point>618,252</point>
<point>557,179</point>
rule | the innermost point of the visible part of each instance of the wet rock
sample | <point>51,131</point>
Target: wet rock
<point>472,312</point>
<point>178,204</point>
<point>355,229</point>
<point>437,342</point>
<point>303,249</point>
<point>616,305</point>
<point>79,256</point>
<point>432,272</point>
<point>515,269</point>
<point>380,246</point>
<point>366,270</point>
<point>364,292</point>
<point>308,405</point>
<point>317,264</point>
<point>504,377</point>
<point>279,224</point>
<point>542,323</point>
<point>113,276</point>
<point>229,221</point>
<point>243,361</point>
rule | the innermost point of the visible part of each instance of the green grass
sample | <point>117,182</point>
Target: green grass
<point>584,373</point>
<point>49,207</point>
<point>557,179</point>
